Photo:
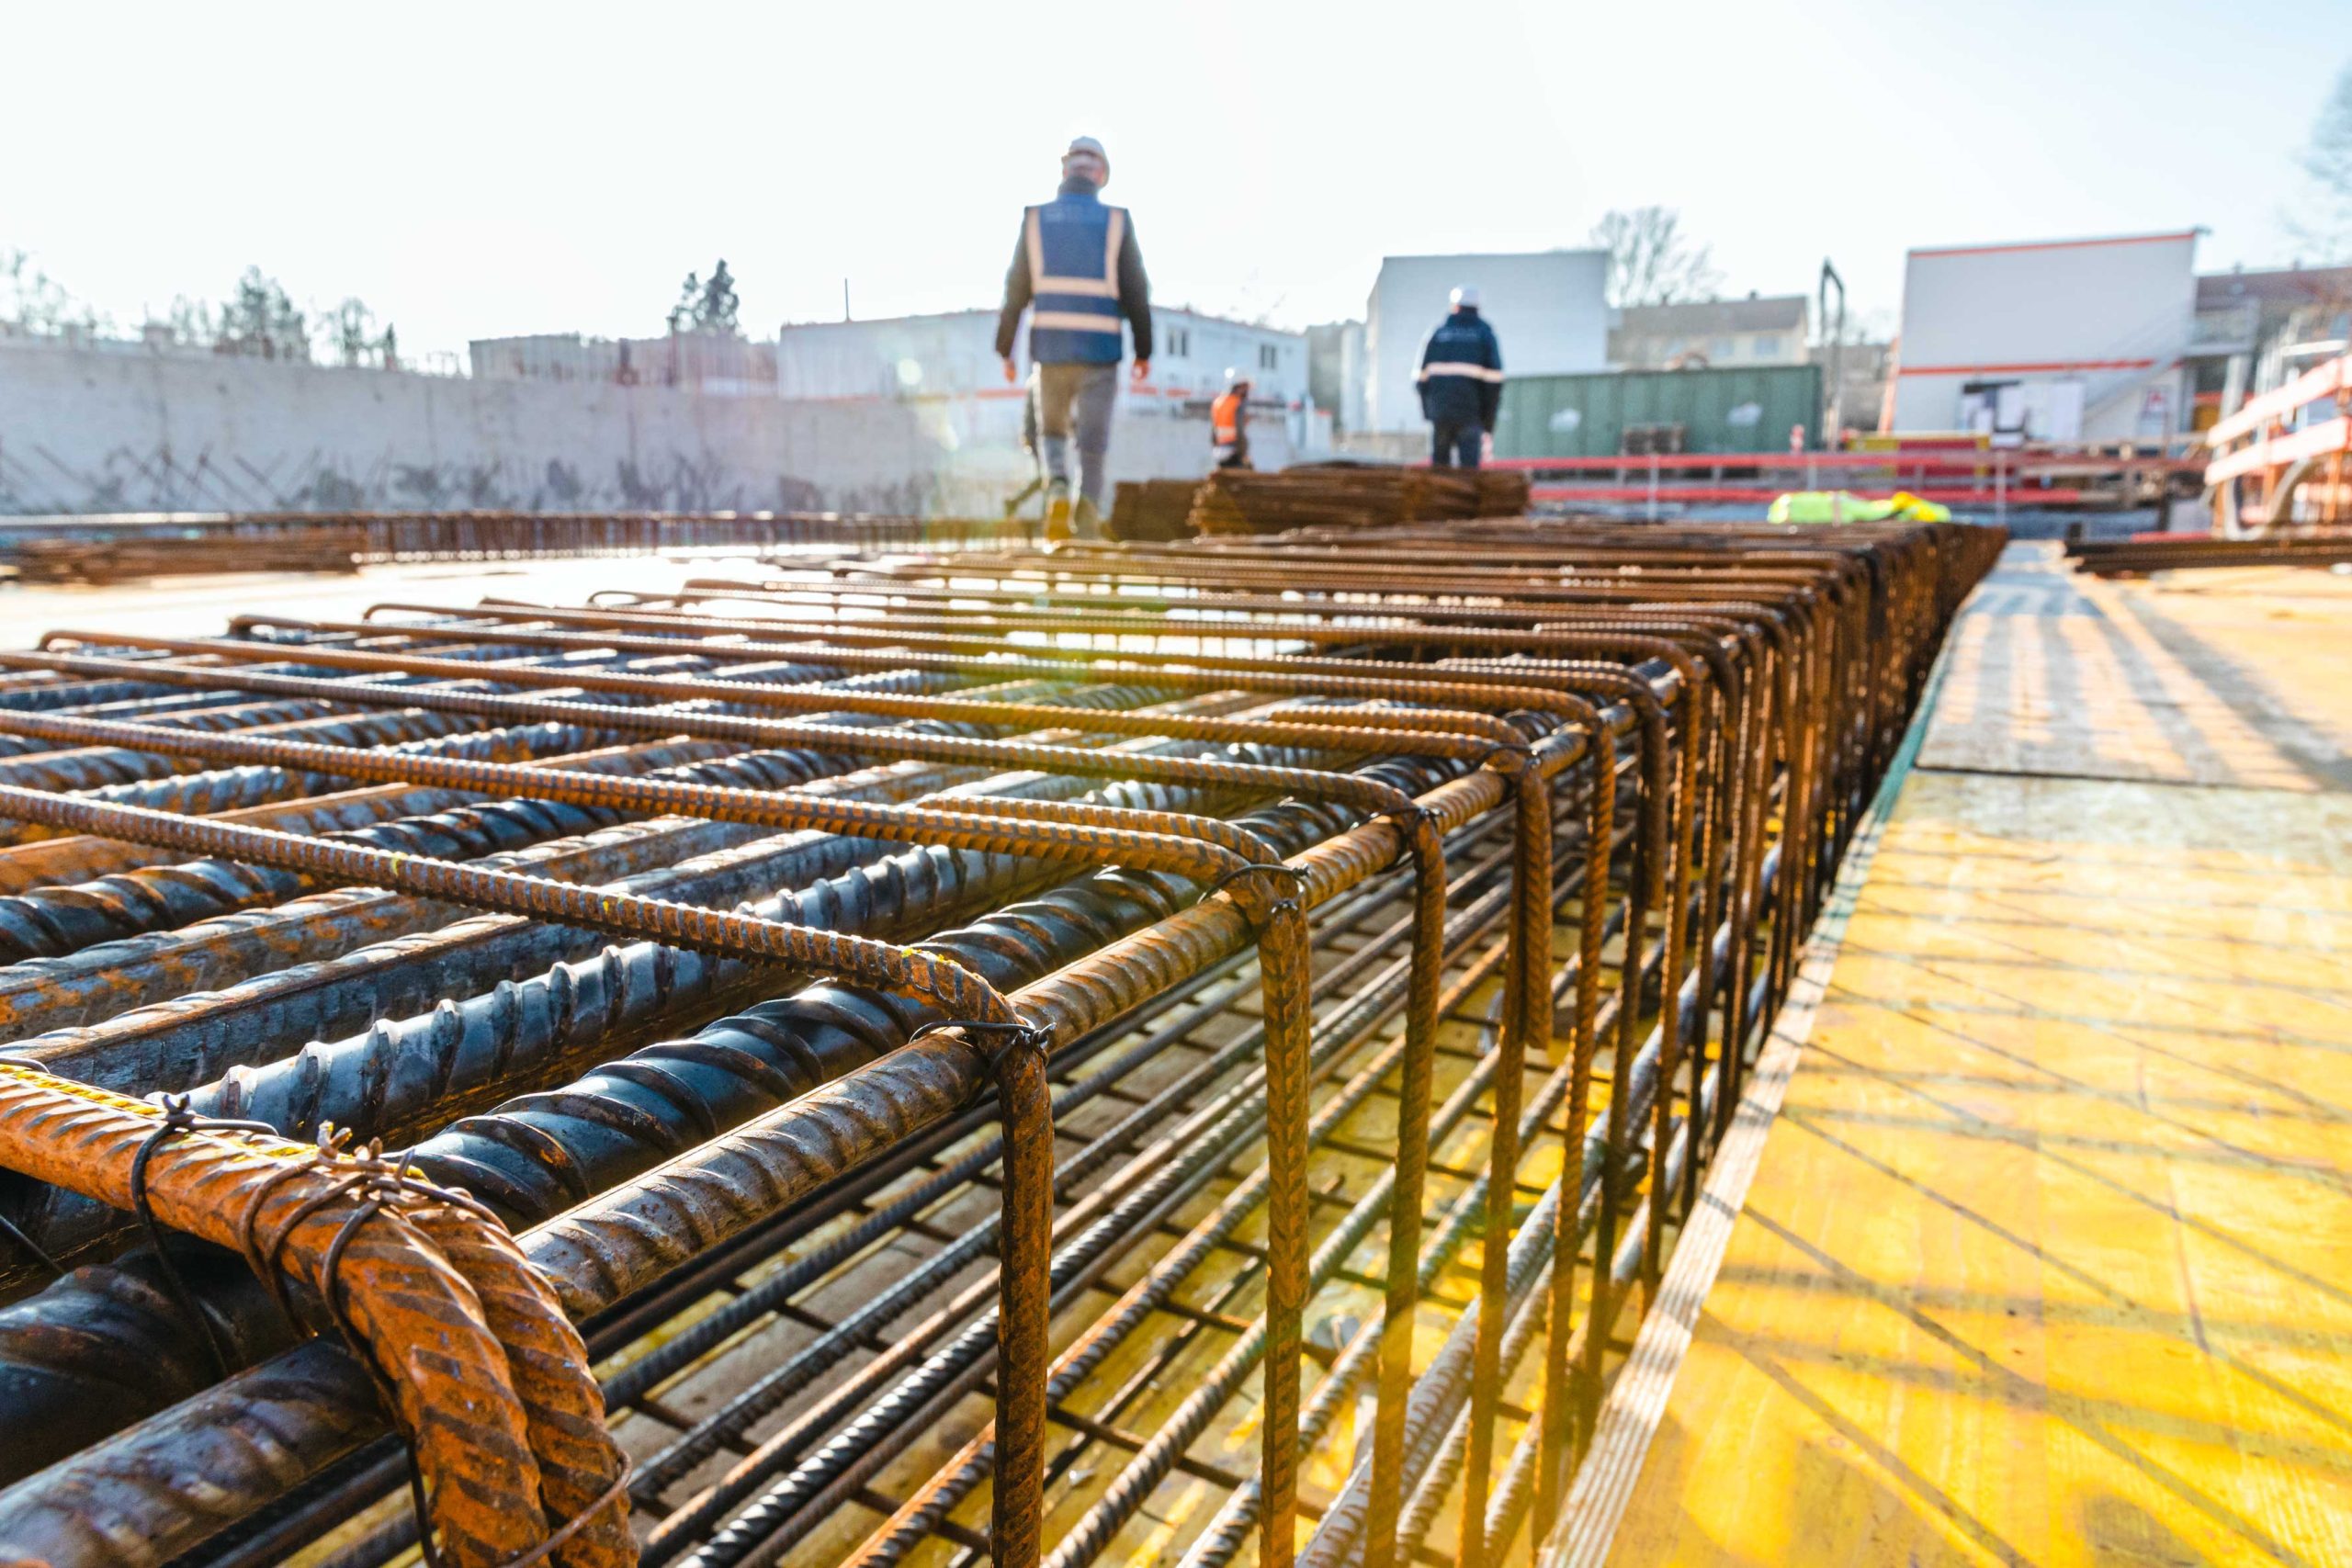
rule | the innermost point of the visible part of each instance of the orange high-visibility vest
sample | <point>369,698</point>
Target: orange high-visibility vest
<point>1224,420</point>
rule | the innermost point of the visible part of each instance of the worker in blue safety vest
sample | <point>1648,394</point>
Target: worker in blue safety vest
<point>1462,383</point>
<point>1077,271</point>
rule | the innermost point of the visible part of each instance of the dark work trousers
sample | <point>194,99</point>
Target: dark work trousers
<point>1456,446</point>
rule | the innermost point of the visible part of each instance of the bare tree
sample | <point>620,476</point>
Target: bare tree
<point>347,331</point>
<point>1650,260</point>
<point>193,322</point>
<point>2326,220</point>
<point>32,300</point>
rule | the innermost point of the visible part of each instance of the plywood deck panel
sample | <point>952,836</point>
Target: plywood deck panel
<point>2048,1257</point>
<point>2234,677</point>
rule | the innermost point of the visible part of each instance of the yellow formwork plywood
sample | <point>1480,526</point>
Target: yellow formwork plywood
<point>2049,1257</point>
<point>2212,678</point>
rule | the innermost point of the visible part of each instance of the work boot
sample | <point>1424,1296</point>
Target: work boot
<point>1088,519</point>
<point>1057,513</point>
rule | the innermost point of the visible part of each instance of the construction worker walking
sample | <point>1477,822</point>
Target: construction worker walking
<point>1229,423</point>
<point>1078,265</point>
<point>1462,384</point>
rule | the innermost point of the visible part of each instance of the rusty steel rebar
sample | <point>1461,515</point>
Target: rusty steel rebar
<point>2308,547</point>
<point>1282,937</point>
<point>1213,850</point>
<point>98,548</point>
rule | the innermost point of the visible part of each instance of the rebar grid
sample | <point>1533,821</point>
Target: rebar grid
<point>1336,956</point>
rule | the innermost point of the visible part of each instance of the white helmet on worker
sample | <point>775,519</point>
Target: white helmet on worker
<point>1467,297</point>
<point>1085,159</point>
<point>1233,377</point>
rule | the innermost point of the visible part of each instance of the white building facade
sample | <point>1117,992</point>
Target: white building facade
<point>1548,307</point>
<point>1758,330</point>
<point>2060,340</point>
<point>954,354</point>
<point>945,370</point>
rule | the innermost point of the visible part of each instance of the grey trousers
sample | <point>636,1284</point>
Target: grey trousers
<point>1083,395</point>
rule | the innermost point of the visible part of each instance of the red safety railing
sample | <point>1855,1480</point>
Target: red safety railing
<point>2254,446</point>
<point>1972,477</point>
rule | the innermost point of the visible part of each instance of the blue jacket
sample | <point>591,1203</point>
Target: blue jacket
<point>1462,372</point>
<point>1079,264</point>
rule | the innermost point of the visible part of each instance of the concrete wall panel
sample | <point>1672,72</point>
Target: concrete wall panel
<point>104,430</point>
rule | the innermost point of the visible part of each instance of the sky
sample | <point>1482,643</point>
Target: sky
<point>481,169</point>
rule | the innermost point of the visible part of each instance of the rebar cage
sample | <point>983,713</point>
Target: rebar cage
<point>1195,1052</point>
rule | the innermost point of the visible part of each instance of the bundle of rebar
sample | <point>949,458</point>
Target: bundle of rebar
<point>1312,495</point>
<point>1199,1050</point>
<point>1153,511</point>
<point>101,548</point>
<point>2146,554</point>
<point>301,547</point>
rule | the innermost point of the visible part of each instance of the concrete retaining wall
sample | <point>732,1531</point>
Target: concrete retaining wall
<point>130,430</point>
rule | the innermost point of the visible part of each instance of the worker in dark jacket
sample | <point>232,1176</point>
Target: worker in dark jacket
<point>1078,265</point>
<point>1462,383</point>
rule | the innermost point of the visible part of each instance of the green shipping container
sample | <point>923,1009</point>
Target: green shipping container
<point>1720,408</point>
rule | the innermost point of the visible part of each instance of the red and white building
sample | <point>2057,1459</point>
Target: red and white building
<point>2054,340</point>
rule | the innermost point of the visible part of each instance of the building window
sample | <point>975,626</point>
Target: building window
<point>1768,345</point>
<point>1269,356</point>
<point>1179,341</point>
<point>1721,348</point>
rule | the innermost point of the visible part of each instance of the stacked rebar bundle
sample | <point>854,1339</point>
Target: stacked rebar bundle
<point>99,548</point>
<point>1153,511</point>
<point>297,548</point>
<point>1197,1049</point>
<point>2313,548</point>
<point>1350,495</point>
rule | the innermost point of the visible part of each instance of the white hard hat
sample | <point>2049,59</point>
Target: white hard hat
<point>1085,150</point>
<point>1466,295</point>
<point>1233,377</point>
